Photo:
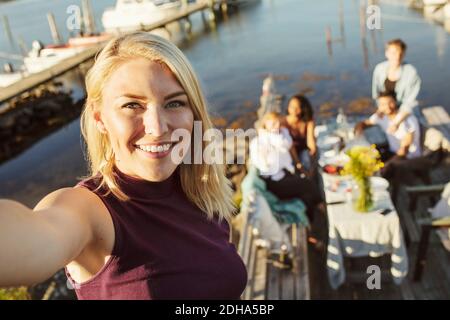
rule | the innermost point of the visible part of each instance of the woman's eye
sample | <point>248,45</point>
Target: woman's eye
<point>131,105</point>
<point>175,104</point>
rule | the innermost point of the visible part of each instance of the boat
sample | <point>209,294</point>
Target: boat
<point>447,11</point>
<point>434,2</point>
<point>438,10</point>
<point>134,15</point>
<point>90,40</point>
<point>9,76</point>
<point>41,58</point>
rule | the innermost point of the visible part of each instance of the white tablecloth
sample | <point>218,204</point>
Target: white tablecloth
<point>356,234</point>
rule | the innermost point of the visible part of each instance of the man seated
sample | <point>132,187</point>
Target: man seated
<point>404,142</point>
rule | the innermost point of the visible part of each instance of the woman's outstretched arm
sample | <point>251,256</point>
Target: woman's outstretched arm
<point>34,244</point>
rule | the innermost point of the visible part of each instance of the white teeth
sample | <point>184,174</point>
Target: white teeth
<point>155,149</point>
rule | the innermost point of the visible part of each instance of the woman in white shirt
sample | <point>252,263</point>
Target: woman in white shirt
<point>273,154</point>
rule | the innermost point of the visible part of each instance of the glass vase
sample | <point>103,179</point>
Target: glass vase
<point>362,195</point>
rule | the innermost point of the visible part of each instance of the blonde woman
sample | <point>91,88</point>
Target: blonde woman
<point>141,226</point>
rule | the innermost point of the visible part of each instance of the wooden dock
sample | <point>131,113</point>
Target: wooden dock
<point>34,80</point>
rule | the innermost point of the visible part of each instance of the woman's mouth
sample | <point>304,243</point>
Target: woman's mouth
<point>155,151</point>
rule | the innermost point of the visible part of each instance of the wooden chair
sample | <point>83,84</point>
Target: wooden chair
<point>259,254</point>
<point>428,224</point>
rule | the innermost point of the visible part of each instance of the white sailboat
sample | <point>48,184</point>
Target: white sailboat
<point>438,10</point>
<point>41,58</point>
<point>434,2</point>
<point>9,76</point>
<point>133,15</point>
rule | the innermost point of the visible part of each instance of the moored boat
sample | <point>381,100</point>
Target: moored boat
<point>134,15</point>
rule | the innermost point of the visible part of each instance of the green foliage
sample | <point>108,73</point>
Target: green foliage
<point>20,293</point>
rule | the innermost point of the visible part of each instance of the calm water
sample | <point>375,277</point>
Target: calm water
<point>282,37</point>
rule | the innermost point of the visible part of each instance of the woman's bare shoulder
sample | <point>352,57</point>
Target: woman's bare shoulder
<point>79,199</point>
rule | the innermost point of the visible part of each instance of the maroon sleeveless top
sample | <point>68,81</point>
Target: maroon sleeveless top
<point>165,248</point>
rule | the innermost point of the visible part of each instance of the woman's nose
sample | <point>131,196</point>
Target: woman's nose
<point>155,122</point>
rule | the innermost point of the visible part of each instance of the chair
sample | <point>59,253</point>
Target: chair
<point>438,220</point>
<point>262,236</point>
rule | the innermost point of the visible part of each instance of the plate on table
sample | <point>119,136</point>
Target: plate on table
<point>379,183</point>
<point>328,142</point>
<point>339,186</point>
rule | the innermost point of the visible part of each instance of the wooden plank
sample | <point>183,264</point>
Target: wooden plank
<point>437,117</point>
<point>304,288</point>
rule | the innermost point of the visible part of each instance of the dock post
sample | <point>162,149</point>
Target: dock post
<point>187,25</point>
<point>8,31</point>
<point>208,15</point>
<point>22,46</point>
<point>329,40</point>
<point>224,6</point>
<point>88,18</point>
<point>341,22</point>
<point>362,20</point>
<point>53,28</point>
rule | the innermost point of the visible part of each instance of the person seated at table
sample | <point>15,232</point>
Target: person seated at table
<point>398,78</point>
<point>300,122</point>
<point>271,153</point>
<point>404,143</point>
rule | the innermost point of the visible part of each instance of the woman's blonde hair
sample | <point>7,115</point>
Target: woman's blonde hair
<point>204,184</point>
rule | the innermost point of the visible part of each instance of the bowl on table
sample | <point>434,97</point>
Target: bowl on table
<point>328,142</point>
<point>379,183</point>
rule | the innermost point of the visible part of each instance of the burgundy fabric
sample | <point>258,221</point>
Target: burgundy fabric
<point>165,248</point>
<point>299,139</point>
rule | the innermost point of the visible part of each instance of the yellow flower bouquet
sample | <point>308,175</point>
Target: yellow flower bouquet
<point>364,162</point>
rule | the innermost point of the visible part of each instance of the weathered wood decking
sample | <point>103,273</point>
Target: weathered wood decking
<point>273,281</point>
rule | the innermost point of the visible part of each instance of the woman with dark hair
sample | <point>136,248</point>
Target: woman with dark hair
<point>300,122</point>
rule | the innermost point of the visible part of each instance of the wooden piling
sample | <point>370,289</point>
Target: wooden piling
<point>53,28</point>
<point>224,6</point>
<point>362,20</point>
<point>88,17</point>
<point>329,40</point>
<point>22,46</point>
<point>8,31</point>
<point>341,21</point>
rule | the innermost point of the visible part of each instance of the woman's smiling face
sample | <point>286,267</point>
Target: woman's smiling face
<point>142,104</point>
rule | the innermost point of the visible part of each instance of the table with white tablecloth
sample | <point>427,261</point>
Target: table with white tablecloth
<point>356,234</point>
<point>351,233</point>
